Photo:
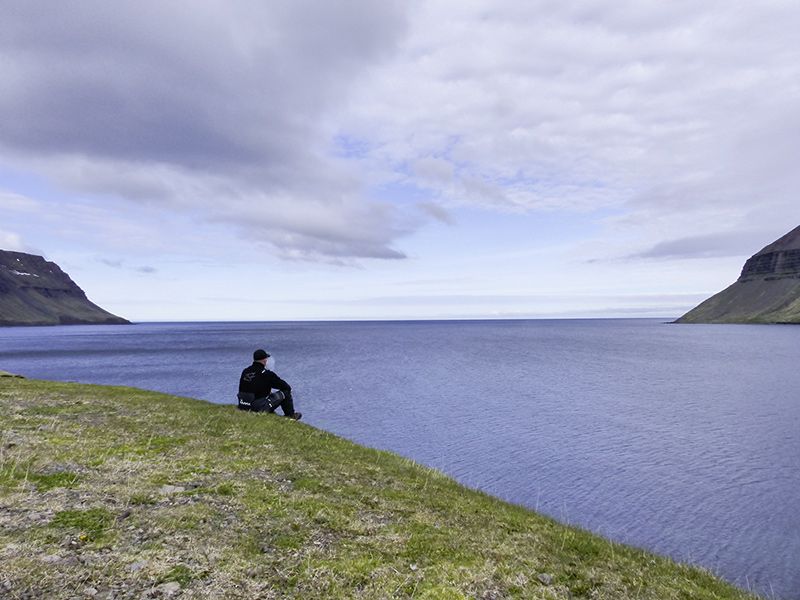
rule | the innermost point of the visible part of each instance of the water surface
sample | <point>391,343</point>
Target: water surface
<point>684,439</point>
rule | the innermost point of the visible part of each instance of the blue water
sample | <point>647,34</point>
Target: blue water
<point>683,439</point>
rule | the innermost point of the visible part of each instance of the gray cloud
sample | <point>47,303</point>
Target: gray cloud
<point>734,243</point>
<point>678,118</point>
<point>437,212</point>
<point>198,106</point>
<point>113,263</point>
<point>189,83</point>
<point>116,263</point>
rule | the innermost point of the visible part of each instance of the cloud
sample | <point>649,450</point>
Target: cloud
<point>679,118</point>
<point>115,263</point>
<point>11,202</point>
<point>437,212</point>
<point>11,241</point>
<point>707,246</point>
<point>210,107</point>
<point>673,121</point>
<point>435,170</point>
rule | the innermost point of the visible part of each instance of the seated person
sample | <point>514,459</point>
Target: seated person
<point>256,385</point>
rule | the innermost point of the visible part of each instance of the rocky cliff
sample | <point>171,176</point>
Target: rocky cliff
<point>34,291</point>
<point>768,290</point>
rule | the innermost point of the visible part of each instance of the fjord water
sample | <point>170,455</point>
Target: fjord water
<point>683,439</point>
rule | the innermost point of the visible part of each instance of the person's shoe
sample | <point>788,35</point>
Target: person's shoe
<point>296,416</point>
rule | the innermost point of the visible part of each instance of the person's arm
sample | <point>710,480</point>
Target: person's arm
<point>280,384</point>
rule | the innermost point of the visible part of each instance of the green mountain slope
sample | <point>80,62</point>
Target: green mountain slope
<point>113,492</point>
<point>768,290</point>
<point>36,292</point>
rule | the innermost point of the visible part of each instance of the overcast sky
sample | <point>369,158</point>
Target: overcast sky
<point>251,160</point>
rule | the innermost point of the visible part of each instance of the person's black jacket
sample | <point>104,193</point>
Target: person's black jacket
<point>260,381</point>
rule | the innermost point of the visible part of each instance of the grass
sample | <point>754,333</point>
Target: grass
<point>90,525</point>
<point>121,491</point>
<point>755,301</point>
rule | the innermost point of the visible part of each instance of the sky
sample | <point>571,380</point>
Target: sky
<point>291,160</point>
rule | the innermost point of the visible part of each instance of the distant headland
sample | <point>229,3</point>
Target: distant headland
<point>34,291</point>
<point>768,290</point>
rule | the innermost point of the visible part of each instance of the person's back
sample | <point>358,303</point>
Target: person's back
<point>255,389</point>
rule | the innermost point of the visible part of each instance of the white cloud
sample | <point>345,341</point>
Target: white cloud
<point>680,117</point>
<point>677,118</point>
<point>12,202</point>
<point>11,241</point>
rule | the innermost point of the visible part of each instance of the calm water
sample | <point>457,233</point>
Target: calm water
<point>681,439</point>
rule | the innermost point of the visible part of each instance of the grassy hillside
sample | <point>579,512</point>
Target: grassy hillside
<point>34,291</point>
<point>767,291</point>
<point>31,307</point>
<point>112,492</point>
<point>757,301</point>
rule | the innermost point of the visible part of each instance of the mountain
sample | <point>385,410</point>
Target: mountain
<point>768,290</point>
<point>34,291</point>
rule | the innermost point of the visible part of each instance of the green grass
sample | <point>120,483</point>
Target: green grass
<point>181,574</point>
<point>48,481</point>
<point>756,301</point>
<point>89,525</point>
<point>124,490</point>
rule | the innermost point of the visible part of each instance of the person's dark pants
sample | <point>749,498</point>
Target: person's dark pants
<point>286,404</point>
<point>268,404</point>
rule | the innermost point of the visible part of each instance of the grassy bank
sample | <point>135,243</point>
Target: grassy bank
<point>112,492</point>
